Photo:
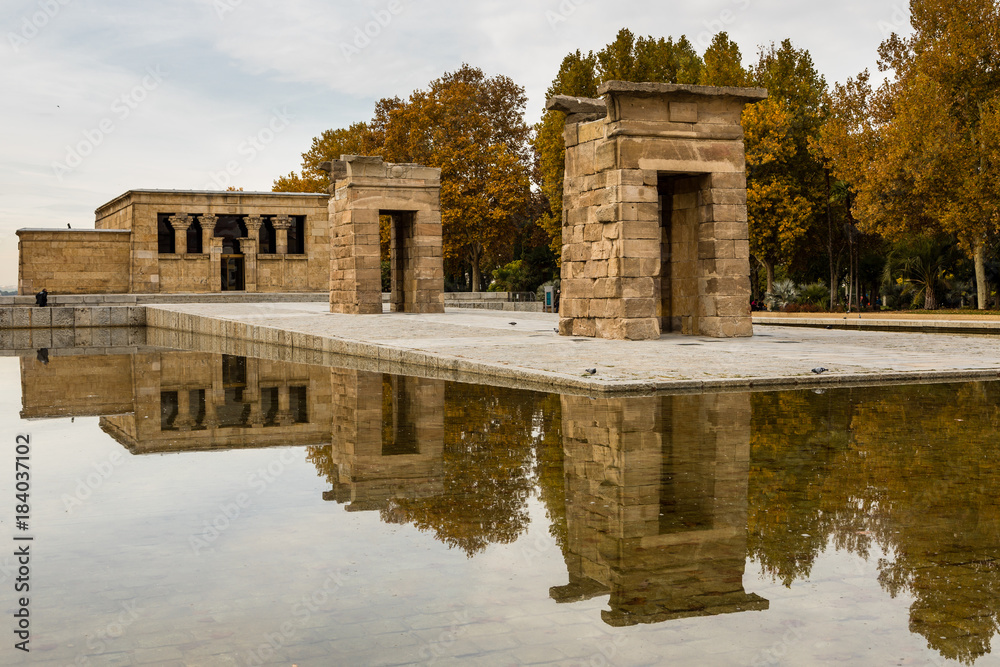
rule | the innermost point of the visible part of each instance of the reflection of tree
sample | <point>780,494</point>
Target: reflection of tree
<point>551,478</point>
<point>496,441</point>
<point>924,469</point>
<point>911,469</point>
<point>489,434</point>
<point>322,457</point>
<point>795,437</point>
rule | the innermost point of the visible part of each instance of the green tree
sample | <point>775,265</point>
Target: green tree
<point>723,63</point>
<point>578,78</point>
<point>627,58</point>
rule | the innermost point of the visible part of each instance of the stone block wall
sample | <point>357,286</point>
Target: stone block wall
<point>654,213</point>
<point>367,188</point>
<point>70,261</point>
<point>76,386</point>
<point>152,272</point>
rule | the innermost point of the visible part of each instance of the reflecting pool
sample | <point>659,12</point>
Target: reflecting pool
<point>196,508</point>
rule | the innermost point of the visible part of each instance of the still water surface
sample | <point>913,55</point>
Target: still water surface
<point>207,509</point>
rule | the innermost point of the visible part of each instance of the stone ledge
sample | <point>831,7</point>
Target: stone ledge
<point>360,342</point>
<point>874,323</point>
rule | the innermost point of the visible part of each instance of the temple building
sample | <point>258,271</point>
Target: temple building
<point>182,241</point>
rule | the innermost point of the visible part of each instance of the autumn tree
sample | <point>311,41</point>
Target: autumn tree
<point>784,179</point>
<point>917,149</point>
<point>472,128</point>
<point>358,139</point>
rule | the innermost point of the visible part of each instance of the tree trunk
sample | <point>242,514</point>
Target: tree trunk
<point>475,253</point>
<point>476,277</point>
<point>769,267</point>
<point>982,288</point>
<point>829,243</point>
<point>930,299</point>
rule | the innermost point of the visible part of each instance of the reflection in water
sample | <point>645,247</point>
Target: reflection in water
<point>911,470</point>
<point>656,505</point>
<point>657,502</point>
<point>457,460</point>
<point>170,401</point>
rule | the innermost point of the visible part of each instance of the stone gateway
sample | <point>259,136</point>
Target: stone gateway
<point>654,212</point>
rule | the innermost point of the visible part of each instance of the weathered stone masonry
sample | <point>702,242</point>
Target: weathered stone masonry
<point>654,212</point>
<point>363,189</point>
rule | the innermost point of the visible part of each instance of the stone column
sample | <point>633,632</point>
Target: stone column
<point>282,223</point>
<point>253,223</point>
<point>180,223</point>
<point>284,416</point>
<point>208,223</point>
<point>183,421</point>
<point>211,416</point>
<point>215,259</point>
<point>251,394</point>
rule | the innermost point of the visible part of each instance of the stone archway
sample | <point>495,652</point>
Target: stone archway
<point>654,212</point>
<point>363,189</point>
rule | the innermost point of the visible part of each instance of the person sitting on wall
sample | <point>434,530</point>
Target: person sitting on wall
<point>42,298</point>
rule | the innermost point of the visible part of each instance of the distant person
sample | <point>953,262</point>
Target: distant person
<point>555,301</point>
<point>42,298</point>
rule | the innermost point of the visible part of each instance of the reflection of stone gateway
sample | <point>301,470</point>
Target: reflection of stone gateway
<point>656,505</point>
<point>654,212</point>
<point>388,438</point>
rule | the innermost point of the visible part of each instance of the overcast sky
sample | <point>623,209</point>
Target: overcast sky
<point>103,96</point>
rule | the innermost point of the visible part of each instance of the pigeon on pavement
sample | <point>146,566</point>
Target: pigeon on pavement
<point>820,370</point>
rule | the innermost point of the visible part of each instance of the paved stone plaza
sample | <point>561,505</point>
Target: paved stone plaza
<point>524,349</point>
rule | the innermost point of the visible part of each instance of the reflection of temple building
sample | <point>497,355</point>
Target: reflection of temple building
<point>656,505</point>
<point>388,437</point>
<point>168,401</point>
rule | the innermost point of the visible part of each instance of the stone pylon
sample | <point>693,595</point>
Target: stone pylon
<point>654,212</point>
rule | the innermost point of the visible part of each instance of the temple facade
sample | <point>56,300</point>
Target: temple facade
<point>177,241</point>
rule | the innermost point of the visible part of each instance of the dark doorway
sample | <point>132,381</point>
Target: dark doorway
<point>399,433</point>
<point>401,258</point>
<point>233,277</point>
<point>231,228</point>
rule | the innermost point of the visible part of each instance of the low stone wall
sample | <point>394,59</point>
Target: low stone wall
<point>490,301</point>
<point>73,261</point>
<point>77,300</point>
<point>67,317</point>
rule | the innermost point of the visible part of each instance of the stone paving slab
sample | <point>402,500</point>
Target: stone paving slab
<point>523,347</point>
